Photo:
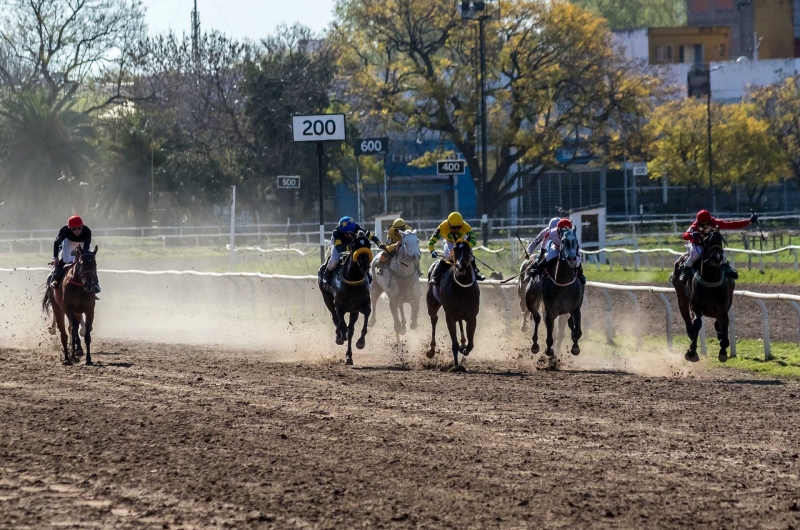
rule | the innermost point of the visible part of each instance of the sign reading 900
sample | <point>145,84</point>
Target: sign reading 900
<point>451,167</point>
<point>371,146</point>
<point>318,128</point>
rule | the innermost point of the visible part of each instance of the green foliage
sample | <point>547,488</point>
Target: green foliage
<point>629,14</point>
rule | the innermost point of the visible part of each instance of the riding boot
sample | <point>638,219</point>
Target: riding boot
<point>581,275</point>
<point>478,274</point>
<point>327,278</point>
<point>437,272</point>
<point>730,272</point>
<point>369,277</point>
<point>58,274</point>
<point>686,271</point>
<point>537,268</point>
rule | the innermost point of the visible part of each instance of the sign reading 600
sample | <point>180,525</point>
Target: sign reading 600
<point>318,128</point>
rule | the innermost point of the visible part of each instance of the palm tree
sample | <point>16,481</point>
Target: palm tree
<point>44,153</point>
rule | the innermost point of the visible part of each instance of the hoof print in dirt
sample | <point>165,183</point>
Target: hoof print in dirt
<point>458,369</point>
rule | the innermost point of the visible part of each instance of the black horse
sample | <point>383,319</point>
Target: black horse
<point>560,290</point>
<point>708,293</point>
<point>459,294</point>
<point>349,293</point>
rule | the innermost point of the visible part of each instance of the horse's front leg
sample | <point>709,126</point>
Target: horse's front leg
<point>523,327</point>
<point>433,313</point>
<point>537,319</point>
<point>461,329</point>
<point>88,335</point>
<point>75,339</point>
<point>362,339</point>
<point>402,318</point>
<point>395,319</point>
<point>722,334</point>
<point>697,324</point>
<point>451,328</point>
<point>341,326</point>
<point>562,330</point>
<point>549,322</point>
<point>574,323</point>
<point>374,293</point>
<point>414,311</point>
<point>471,325</point>
<point>350,328</point>
<point>62,330</point>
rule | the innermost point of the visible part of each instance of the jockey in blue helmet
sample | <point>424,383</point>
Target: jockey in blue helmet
<point>343,236</point>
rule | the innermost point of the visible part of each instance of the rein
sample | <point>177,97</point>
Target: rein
<point>558,264</point>
<point>455,279</point>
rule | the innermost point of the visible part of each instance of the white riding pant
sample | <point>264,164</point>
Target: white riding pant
<point>552,253</point>
<point>448,249</point>
<point>333,261</point>
<point>696,252</point>
<point>68,249</point>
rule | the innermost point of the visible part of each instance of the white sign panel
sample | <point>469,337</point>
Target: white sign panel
<point>640,170</point>
<point>319,128</point>
<point>290,182</point>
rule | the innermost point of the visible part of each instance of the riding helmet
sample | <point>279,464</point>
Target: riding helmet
<point>347,224</point>
<point>74,222</point>
<point>703,216</point>
<point>565,223</point>
<point>398,223</point>
<point>455,219</point>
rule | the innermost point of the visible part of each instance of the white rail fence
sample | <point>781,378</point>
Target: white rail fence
<point>300,286</point>
<point>639,256</point>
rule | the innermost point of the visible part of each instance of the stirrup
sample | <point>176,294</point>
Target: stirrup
<point>54,284</point>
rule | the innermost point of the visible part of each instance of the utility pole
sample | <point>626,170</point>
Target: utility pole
<point>195,33</point>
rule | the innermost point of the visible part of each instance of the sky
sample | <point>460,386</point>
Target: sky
<point>240,19</point>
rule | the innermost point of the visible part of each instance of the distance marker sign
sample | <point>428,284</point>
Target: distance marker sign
<point>289,182</point>
<point>318,128</point>
<point>371,146</point>
<point>451,167</point>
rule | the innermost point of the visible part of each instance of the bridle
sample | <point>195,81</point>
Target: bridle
<point>562,257</point>
<point>461,252</point>
<point>88,277</point>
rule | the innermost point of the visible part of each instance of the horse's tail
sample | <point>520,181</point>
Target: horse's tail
<point>46,302</point>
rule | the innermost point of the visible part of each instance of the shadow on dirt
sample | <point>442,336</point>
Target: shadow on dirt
<point>758,382</point>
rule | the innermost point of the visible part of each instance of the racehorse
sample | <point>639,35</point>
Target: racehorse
<point>75,298</point>
<point>348,293</point>
<point>400,282</point>
<point>560,291</point>
<point>522,286</point>
<point>458,292</point>
<point>708,293</point>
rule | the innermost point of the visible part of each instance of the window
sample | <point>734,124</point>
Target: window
<point>664,54</point>
<point>698,53</point>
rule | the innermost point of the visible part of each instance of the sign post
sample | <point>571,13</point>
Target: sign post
<point>232,265</point>
<point>368,147</point>
<point>319,128</point>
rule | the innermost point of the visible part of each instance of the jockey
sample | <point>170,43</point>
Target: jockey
<point>703,222</point>
<point>551,245</point>
<point>539,241</point>
<point>69,239</point>
<point>343,236</point>
<point>393,240</point>
<point>451,230</point>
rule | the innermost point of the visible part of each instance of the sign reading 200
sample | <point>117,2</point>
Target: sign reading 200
<point>320,128</point>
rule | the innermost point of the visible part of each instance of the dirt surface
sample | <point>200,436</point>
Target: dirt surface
<point>160,436</point>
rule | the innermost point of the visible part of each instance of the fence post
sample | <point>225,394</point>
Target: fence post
<point>253,295</point>
<point>732,330</point>
<point>507,312</point>
<point>794,251</point>
<point>668,308</point>
<point>796,307</point>
<point>609,318</point>
<point>761,262</point>
<point>638,310</point>
<point>765,329</point>
<point>732,260</point>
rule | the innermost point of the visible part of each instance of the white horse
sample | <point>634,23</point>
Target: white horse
<point>400,282</point>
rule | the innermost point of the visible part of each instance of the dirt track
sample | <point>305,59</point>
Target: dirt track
<point>168,436</point>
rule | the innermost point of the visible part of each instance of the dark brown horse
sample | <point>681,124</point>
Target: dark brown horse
<point>348,293</point>
<point>708,293</point>
<point>74,298</point>
<point>560,291</point>
<point>459,294</point>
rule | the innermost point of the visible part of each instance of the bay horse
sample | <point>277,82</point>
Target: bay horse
<point>560,291</point>
<point>400,282</point>
<point>74,298</point>
<point>708,293</point>
<point>348,293</point>
<point>458,292</point>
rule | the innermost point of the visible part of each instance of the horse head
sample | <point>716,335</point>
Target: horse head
<point>569,248</point>
<point>361,254</point>
<point>410,244</point>
<point>462,255</point>
<point>712,244</point>
<point>86,269</point>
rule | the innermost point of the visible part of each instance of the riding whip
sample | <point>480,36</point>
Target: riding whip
<point>524,246</point>
<point>484,264</point>
<point>758,224</point>
<point>512,278</point>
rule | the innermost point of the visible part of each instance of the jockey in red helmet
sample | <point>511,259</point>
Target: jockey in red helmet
<point>702,223</point>
<point>71,237</point>
<point>551,243</point>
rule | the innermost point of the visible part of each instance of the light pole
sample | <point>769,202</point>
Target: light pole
<point>476,10</point>
<point>710,152</point>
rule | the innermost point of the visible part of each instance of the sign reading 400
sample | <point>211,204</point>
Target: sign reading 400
<point>318,128</point>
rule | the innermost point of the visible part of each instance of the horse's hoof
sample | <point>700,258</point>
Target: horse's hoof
<point>52,331</point>
<point>549,352</point>
<point>89,362</point>
<point>465,351</point>
<point>723,357</point>
<point>403,330</point>
<point>79,354</point>
<point>458,368</point>
<point>413,326</point>
<point>339,341</point>
<point>67,362</point>
<point>430,353</point>
<point>349,361</point>
<point>371,323</point>
<point>360,343</point>
<point>576,350</point>
<point>691,356</point>
<point>535,349</point>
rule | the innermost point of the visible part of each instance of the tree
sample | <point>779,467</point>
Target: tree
<point>744,154</point>
<point>629,14</point>
<point>779,106</point>
<point>553,78</point>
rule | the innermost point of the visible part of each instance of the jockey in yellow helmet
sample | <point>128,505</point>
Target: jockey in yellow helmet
<point>393,240</point>
<point>451,230</point>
